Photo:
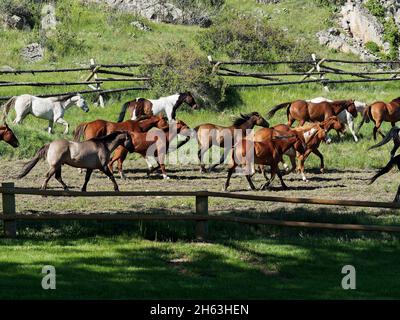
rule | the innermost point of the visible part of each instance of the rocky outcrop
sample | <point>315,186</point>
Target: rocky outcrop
<point>32,52</point>
<point>48,21</point>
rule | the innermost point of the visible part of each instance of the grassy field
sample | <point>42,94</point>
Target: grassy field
<point>159,260</point>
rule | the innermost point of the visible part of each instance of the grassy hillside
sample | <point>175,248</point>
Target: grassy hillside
<point>109,38</point>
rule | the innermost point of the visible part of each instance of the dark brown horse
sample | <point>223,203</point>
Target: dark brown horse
<point>100,128</point>
<point>156,139</point>
<point>8,136</point>
<point>303,111</point>
<point>381,111</point>
<point>268,152</point>
<point>209,134</point>
<point>140,106</point>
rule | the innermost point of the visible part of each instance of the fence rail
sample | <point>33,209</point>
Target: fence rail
<point>201,216</point>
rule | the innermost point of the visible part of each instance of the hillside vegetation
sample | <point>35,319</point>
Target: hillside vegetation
<point>282,31</point>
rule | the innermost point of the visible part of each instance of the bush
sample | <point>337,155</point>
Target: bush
<point>183,69</point>
<point>372,47</point>
<point>26,9</point>
<point>242,36</point>
<point>392,35</point>
<point>375,8</point>
<point>199,11</point>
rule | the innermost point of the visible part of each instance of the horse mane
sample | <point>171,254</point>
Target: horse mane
<point>63,98</point>
<point>243,118</point>
<point>396,99</point>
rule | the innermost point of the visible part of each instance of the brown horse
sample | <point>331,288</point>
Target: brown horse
<point>90,154</point>
<point>8,136</point>
<point>268,152</point>
<point>312,134</point>
<point>156,139</point>
<point>209,134</point>
<point>100,128</point>
<point>380,111</point>
<point>303,111</point>
<point>140,106</point>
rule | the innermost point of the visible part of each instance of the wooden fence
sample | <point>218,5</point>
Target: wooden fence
<point>201,216</point>
<point>319,71</point>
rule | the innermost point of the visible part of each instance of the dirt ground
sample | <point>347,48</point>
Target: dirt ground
<point>334,184</point>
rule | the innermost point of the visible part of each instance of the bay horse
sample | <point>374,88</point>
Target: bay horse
<point>98,128</point>
<point>379,112</point>
<point>51,109</point>
<point>303,111</point>
<point>140,106</point>
<point>393,134</point>
<point>149,144</point>
<point>209,134</point>
<point>268,152</point>
<point>8,136</point>
<point>90,154</point>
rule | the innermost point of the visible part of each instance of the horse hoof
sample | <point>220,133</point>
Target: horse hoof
<point>322,170</point>
<point>165,177</point>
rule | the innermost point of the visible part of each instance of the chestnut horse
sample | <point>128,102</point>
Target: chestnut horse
<point>209,134</point>
<point>303,111</point>
<point>8,136</point>
<point>143,141</point>
<point>309,133</point>
<point>268,152</point>
<point>140,106</point>
<point>380,111</point>
<point>100,128</point>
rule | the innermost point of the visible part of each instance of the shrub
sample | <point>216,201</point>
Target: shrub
<point>183,69</point>
<point>199,11</point>
<point>392,35</point>
<point>375,8</point>
<point>372,47</point>
<point>26,9</point>
<point>243,36</point>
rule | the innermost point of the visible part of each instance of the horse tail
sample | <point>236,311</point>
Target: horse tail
<point>276,108</point>
<point>387,168</point>
<point>7,106</point>
<point>79,131</point>
<point>40,154</point>
<point>391,134</point>
<point>366,117</point>
<point>123,111</point>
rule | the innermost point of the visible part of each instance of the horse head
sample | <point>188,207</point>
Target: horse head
<point>351,107</point>
<point>80,102</point>
<point>253,118</point>
<point>334,123</point>
<point>322,134</point>
<point>189,99</point>
<point>8,136</point>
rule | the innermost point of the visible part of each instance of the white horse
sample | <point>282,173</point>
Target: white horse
<point>345,117</point>
<point>51,109</point>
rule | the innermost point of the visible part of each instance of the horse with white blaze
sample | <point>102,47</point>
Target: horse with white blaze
<point>52,109</point>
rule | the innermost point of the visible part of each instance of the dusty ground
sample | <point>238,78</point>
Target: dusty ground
<point>334,184</point>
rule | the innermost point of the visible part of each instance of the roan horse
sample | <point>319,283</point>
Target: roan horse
<point>140,106</point>
<point>150,144</point>
<point>91,154</point>
<point>303,111</point>
<point>8,136</point>
<point>268,152</point>
<point>209,134</point>
<point>100,128</point>
<point>51,109</point>
<point>380,111</point>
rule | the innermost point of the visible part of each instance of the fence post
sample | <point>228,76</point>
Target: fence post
<point>98,86</point>
<point>202,225</point>
<point>10,226</point>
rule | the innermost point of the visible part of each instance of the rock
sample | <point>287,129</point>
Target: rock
<point>140,25</point>
<point>13,22</point>
<point>33,52</point>
<point>48,22</point>
<point>361,24</point>
<point>6,68</point>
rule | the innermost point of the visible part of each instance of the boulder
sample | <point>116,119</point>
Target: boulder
<point>48,21</point>
<point>140,25</point>
<point>33,52</point>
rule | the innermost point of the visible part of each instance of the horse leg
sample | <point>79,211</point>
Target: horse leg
<point>59,179</point>
<point>87,178</point>
<point>49,174</point>
<point>221,161</point>
<point>50,127</point>
<point>119,155</point>
<point>350,123</point>
<point>228,178</point>
<point>200,155</point>
<point>321,157</point>
<point>109,174</point>
<point>251,184</point>
<point>303,159</point>
<point>64,123</point>
<point>284,186</point>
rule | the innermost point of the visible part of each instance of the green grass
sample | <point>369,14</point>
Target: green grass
<point>123,267</point>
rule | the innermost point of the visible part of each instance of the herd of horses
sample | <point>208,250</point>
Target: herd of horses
<point>106,142</point>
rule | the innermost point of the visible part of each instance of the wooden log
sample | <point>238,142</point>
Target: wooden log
<point>8,199</point>
<point>119,73</point>
<point>44,84</point>
<point>122,79</point>
<point>202,210</point>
